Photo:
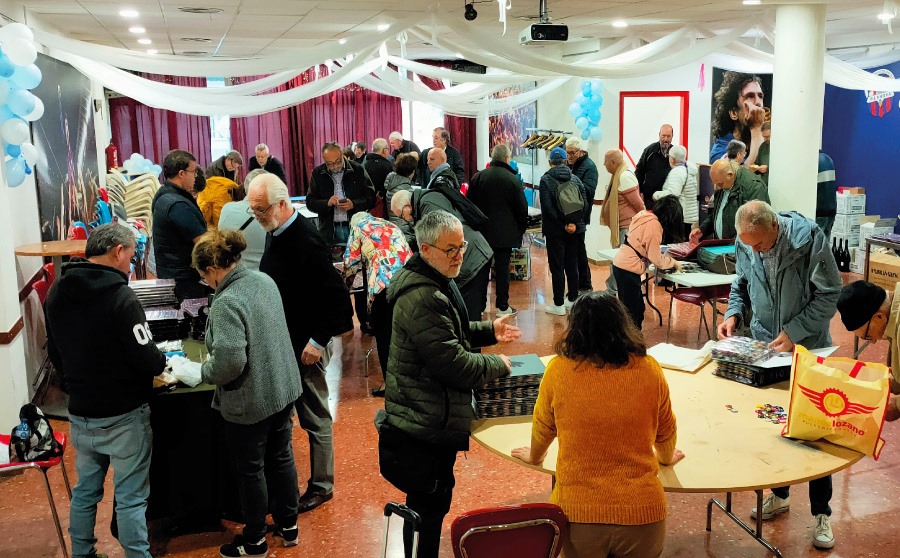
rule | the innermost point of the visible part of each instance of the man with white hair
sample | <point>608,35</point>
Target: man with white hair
<point>377,164</point>
<point>586,170</point>
<point>317,307</point>
<point>735,185</point>
<point>267,162</point>
<point>683,183</point>
<point>787,286</point>
<point>400,145</point>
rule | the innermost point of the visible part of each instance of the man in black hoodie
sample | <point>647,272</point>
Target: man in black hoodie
<point>107,370</point>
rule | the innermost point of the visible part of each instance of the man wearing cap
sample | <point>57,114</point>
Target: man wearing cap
<point>873,313</point>
<point>226,166</point>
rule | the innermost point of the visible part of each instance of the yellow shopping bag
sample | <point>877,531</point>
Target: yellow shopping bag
<point>841,400</point>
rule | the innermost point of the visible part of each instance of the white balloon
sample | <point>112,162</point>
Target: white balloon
<point>136,157</point>
<point>30,153</point>
<point>21,52</point>
<point>14,131</point>
<point>15,31</point>
<point>38,111</point>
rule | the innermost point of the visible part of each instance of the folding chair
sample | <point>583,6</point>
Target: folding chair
<point>43,466</point>
<point>523,531</point>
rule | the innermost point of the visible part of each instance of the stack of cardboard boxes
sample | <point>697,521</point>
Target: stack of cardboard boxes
<point>851,210</point>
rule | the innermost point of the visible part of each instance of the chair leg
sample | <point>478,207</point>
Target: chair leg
<point>669,327</point>
<point>703,322</point>
<point>368,353</point>
<point>65,473</point>
<point>59,532</point>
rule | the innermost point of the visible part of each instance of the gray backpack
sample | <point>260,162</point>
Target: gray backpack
<point>570,200</point>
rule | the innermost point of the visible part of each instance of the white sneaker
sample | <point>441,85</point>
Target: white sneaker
<point>823,537</point>
<point>509,311</point>
<point>772,505</point>
<point>569,303</point>
<point>555,310</point>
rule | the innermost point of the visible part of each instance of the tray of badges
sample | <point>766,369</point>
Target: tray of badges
<point>167,324</point>
<point>515,394</point>
<point>154,292</point>
<point>751,375</point>
<point>505,408</point>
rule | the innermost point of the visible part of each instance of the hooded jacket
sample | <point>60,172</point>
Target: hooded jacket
<point>431,369</point>
<point>644,237</point>
<point>99,341</point>
<point>683,183</point>
<point>807,282</point>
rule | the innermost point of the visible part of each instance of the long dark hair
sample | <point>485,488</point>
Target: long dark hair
<point>601,332</point>
<point>727,98</point>
<point>671,217</point>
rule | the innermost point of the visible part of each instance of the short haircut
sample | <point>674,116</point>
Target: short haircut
<point>379,145</point>
<point>176,161</point>
<point>753,215</point>
<point>615,156</point>
<point>725,166</point>
<point>262,147</point>
<point>600,331</point>
<point>766,126</point>
<point>235,157</point>
<point>251,175</point>
<point>734,148</point>
<point>399,200</point>
<point>500,152</point>
<point>396,136</point>
<point>276,190</point>
<point>406,164</point>
<point>218,248</point>
<point>574,142</point>
<point>679,153</point>
<point>432,226</point>
<point>444,133</point>
<point>360,145</point>
<point>106,237</point>
<point>332,145</point>
<point>439,152</point>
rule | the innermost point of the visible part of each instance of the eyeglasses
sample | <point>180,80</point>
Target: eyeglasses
<point>256,213</point>
<point>453,251</point>
<point>334,164</point>
<point>866,334</point>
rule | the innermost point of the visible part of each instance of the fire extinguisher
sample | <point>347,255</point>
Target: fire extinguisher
<point>112,156</point>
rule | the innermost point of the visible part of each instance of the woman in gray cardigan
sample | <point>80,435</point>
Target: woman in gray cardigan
<point>257,380</point>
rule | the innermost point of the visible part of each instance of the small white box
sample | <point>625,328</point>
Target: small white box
<point>851,204</point>
<point>858,260</point>
<point>872,225</point>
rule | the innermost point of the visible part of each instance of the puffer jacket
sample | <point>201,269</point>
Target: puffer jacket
<point>393,184</point>
<point>808,285</point>
<point>682,182</point>
<point>431,369</point>
<point>747,186</point>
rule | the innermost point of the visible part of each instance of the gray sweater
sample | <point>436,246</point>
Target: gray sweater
<point>251,359</point>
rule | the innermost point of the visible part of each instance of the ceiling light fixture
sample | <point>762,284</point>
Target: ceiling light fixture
<point>342,41</point>
<point>471,14</point>
<point>384,26</point>
<point>752,2</point>
<point>885,17</point>
<point>152,51</point>
<point>200,10</point>
<point>145,41</point>
<point>137,29</point>
<point>620,23</point>
<point>196,39</point>
<point>195,53</point>
<point>129,13</point>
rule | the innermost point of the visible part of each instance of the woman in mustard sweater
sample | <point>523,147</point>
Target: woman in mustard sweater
<point>608,403</point>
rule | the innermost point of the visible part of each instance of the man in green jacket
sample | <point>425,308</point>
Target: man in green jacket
<point>735,186</point>
<point>431,374</point>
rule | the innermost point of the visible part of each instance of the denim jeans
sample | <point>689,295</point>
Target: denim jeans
<point>315,418</point>
<point>125,442</point>
<point>265,465</point>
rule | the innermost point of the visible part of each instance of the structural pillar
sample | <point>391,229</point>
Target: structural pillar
<point>798,98</point>
<point>482,142</point>
<point>13,382</point>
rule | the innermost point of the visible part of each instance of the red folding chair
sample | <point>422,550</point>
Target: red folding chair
<point>523,531</point>
<point>49,272</point>
<point>41,287</point>
<point>43,467</point>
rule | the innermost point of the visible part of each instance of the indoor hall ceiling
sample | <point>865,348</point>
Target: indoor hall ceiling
<point>245,28</point>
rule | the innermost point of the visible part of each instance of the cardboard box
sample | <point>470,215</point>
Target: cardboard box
<point>845,223</point>
<point>520,264</point>
<point>851,190</point>
<point>851,204</point>
<point>852,237</point>
<point>884,270</point>
<point>858,260</point>
<point>873,224</point>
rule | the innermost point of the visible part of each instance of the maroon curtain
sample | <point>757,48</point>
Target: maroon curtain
<point>152,132</point>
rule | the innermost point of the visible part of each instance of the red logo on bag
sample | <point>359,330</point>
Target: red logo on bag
<point>834,403</point>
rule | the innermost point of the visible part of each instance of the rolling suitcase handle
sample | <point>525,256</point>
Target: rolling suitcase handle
<point>408,515</point>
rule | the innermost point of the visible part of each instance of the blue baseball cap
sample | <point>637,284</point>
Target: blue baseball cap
<point>557,154</point>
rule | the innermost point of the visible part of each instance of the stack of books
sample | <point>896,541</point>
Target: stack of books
<point>515,395</point>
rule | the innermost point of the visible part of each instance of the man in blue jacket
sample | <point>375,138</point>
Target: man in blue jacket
<point>788,285</point>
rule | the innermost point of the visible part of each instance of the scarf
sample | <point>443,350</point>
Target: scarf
<point>609,214</point>
<point>436,172</point>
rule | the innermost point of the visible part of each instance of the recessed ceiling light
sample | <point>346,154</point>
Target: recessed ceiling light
<point>384,26</point>
<point>885,17</point>
<point>196,39</point>
<point>152,51</point>
<point>200,10</point>
<point>137,29</point>
<point>752,2</point>
<point>342,41</point>
<point>194,53</point>
<point>145,41</point>
<point>620,23</point>
<point>129,13</point>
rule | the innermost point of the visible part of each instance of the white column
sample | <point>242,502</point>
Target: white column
<point>797,104</point>
<point>482,142</point>
<point>13,388</point>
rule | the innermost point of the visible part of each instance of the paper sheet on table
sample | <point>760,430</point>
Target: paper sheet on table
<point>786,359</point>
<point>681,358</point>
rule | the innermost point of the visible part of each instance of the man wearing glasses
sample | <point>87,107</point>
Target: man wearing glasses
<point>586,170</point>
<point>873,313</point>
<point>338,189</point>
<point>177,224</point>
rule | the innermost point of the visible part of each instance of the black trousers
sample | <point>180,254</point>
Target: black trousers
<point>381,322</point>
<point>265,465</point>
<point>501,274</point>
<point>562,257</point>
<point>630,294</point>
<point>819,495</point>
<point>432,507</point>
<point>361,305</point>
<point>474,292</point>
<point>584,266</point>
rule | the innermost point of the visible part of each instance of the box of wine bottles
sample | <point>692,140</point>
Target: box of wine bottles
<point>873,224</point>
<point>851,204</point>
<point>847,223</point>
<point>850,240</point>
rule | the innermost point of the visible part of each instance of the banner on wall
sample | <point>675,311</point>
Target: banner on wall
<point>511,127</point>
<point>739,102</point>
<point>67,167</point>
<point>880,101</point>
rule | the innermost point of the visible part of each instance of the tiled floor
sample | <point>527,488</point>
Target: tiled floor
<point>865,501</point>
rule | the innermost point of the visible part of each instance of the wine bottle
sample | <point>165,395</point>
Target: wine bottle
<point>845,256</point>
<point>834,248</point>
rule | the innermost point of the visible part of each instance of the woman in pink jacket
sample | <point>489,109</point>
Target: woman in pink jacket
<point>641,248</point>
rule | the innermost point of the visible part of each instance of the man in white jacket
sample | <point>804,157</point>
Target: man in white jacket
<point>683,183</point>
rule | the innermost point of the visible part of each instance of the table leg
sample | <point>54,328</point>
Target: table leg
<point>646,285</point>
<point>57,265</point>
<point>757,533</point>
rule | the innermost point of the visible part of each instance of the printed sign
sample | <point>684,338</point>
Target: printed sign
<point>880,101</point>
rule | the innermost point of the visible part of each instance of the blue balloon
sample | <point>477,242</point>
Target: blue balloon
<point>575,109</point>
<point>596,133</point>
<point>15,172</point>
<point>594,116</point>
<point>13,150</point>
<point>157,170</point>
<point>599,101</point>
<point>20,102</point>
<point>586,88</point>
<point>27,168</point>
<point>585,134</point>
<point>7,68</point>
<point>580,99</point>
<point>5,113</point>
<point>594,103</point>
<point>26,77</point>
<point>596,88</point>
<point>582,123</point>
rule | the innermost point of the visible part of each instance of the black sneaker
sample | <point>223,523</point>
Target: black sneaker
<point>240,548</point>
<point>289,534</point>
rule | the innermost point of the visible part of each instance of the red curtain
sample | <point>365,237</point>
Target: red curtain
<point>152,132</point>
<point>462,129</point>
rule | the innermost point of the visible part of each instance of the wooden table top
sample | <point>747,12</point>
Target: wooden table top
<point>53,248</point>
<point>724,451</point>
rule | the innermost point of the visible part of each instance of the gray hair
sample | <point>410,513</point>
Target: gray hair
<point>753,215</point>
<point>275,188</point>
<point>735,147</point>
<point>251,175</point>
<point>106,237</point>
<point>399,200</point>
<point>500,152</point>
<point>574,142</point>
<point>436,223</point>
<point>679,153</point>
<point>379,145</point>
<point>396,136</point>
<point>235,157</point>
<point>262,147</point>
<point>357,217</point>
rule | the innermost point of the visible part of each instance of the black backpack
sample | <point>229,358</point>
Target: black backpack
<point>32,439</point>
<point>469,212</point>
